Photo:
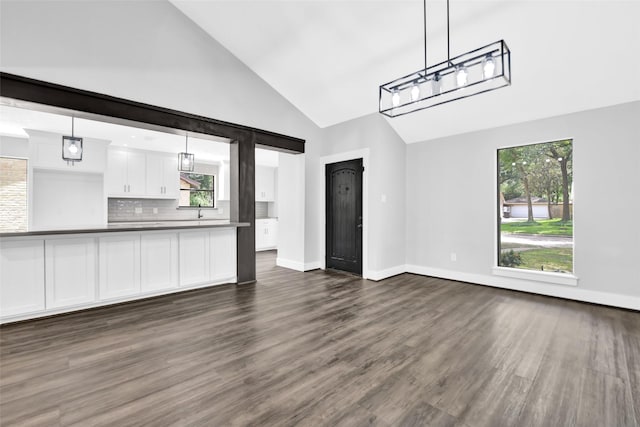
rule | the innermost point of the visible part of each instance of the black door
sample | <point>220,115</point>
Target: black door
<point>344,216</point>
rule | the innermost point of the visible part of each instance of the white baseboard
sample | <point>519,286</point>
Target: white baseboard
<point>290,264</point>
<point>553,290</point>
<point>386,273</point>
<point>312,265</point>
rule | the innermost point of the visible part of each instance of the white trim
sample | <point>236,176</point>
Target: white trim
<point>387,272</point>
<point>290,264</point>
<point>315,265</point>
<point>537,276</point>
<point>341,157</point>
<point>573,293</point>
<point>104,303</point>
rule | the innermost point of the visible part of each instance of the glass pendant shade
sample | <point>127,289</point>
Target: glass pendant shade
<point>465,75</point>
<point>488,67</point>
<point>72,148</point>
<point>461,76</point>
<point>186,162</point>
<point>395,99</point>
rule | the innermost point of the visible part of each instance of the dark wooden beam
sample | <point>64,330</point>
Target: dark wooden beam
<point>243,207</point>
<point>64,97</point>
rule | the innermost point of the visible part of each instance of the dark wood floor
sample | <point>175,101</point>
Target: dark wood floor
<point>327,349</point>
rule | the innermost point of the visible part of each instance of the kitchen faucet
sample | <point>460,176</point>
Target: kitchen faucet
<point>200,212</point>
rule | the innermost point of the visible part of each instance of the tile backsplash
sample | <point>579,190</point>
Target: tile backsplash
<point>159,210</point>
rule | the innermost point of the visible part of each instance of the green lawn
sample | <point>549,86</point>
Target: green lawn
<point>550,227</point>
<point>551,259</point>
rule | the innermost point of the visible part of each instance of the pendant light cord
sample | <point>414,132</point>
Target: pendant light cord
<point>72,120</point>
<point>186,144</point>
<point>425,37</point>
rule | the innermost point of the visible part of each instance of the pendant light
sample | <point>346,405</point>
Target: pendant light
<point>186,160</point>
<point>71,147</point>
<point>480,70</point>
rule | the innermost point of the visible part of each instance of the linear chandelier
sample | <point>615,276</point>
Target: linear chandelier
<point>478,71</point>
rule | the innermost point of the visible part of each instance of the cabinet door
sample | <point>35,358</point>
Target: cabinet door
<point>159,261</point>
<point>155,175</point>
<point>261,234</point>
<point>21,277</point>
<point>171,177</point>
<point>261,177</point>
<point>116,173</point>
<point>194,258</point>
<point>136,173</point>
<point>119,266</point>
<point>272,233</point>
<point>70,272</point>
<point>269,185</point>
<point>223,254</point>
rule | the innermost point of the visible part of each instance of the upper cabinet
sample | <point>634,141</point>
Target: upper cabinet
<point>126,173</point>
<point>265,184</point>
<point>162,176</point>
<point>45,152</point>
<point>138,174</point>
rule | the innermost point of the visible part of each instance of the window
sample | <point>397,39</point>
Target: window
<point>13,193</point>
<point>535,193</point>
<point>196,190</point>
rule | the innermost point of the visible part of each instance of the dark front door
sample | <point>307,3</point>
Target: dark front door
<point>344,216</point>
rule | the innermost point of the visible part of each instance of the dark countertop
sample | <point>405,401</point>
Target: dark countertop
<point>133,226</point>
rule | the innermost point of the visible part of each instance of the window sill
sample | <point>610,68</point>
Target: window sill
<point>537,276</point>
<point>196,208</point>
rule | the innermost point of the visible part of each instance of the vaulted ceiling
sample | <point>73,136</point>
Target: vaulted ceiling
<point>329,57</point>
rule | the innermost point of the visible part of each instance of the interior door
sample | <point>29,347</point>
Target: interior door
<point>344,216</point>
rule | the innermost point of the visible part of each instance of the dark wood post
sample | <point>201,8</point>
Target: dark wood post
<point>243,207</point>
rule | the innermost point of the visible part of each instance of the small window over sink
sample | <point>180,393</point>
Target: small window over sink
<point>197,190</point>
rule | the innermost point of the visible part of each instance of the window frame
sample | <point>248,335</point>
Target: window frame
<point>567,279</point>
<point>212,191</point>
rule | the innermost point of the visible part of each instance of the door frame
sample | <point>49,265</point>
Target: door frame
<point>335,158</point>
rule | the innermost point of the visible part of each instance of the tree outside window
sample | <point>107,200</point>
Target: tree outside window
<point>536,207</point>
<point>196,190</point>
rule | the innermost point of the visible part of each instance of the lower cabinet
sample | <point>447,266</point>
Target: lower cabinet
<point>159,261</point>
<point>266,234</point>
<point>195,260</point>
<point>223,254</point>
<point>50,274</point>
<point>21,277</point>
<point>70,272</point>
<point>119,266</point>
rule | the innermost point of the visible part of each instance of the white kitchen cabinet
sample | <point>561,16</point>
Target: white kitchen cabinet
<point>126,173</point>
<point>119,266</point>
<point>162,177</point>
<point>265,184</point>
<point>159,261</point>
<point>223,253</point>
<point>70,271</point>
<point>195,262</point>
<point>21,277</point>
<point>266,234</point>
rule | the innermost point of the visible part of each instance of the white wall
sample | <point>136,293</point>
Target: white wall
<point>447,175</point>
<point>14,147</point>
<point>386,180</point>
<point>291,216</point>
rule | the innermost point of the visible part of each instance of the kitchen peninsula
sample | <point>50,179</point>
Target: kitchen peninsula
<point>49,272</point>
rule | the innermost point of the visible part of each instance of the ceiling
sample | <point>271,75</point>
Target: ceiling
<point>329,57</point>
<point>17,121</point>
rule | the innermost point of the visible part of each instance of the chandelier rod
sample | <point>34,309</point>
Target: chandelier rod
<point>425,35</point>
<point>448,42</point>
